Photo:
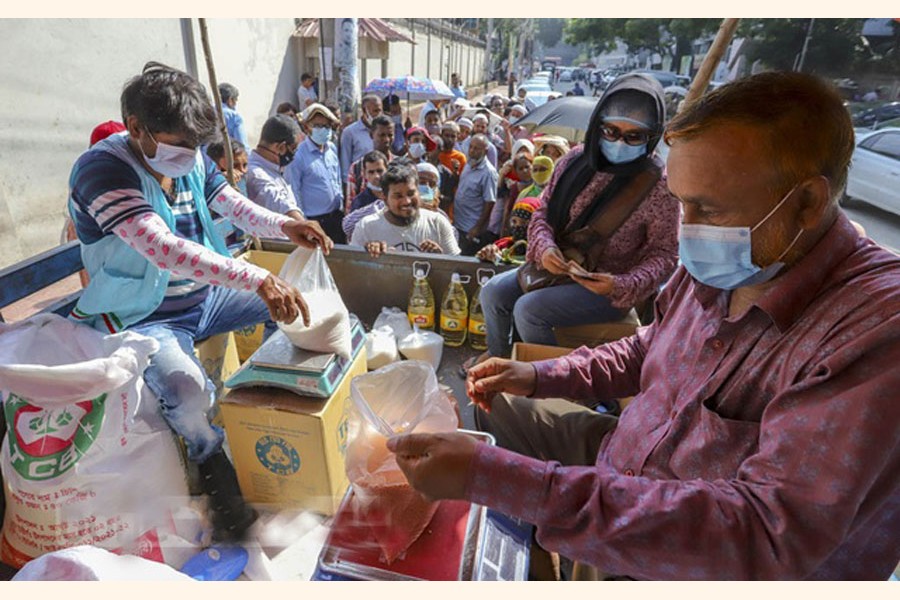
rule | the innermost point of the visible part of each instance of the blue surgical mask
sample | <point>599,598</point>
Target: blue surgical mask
<point>321,135</point>
<point>417,150</point>
<point>720,257</point>
<point>171,161</point>
<point>619,152</point>
<point>426,192</point>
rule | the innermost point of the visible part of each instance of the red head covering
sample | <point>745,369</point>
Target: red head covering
<point>104,130</point>
<point>430,144</point>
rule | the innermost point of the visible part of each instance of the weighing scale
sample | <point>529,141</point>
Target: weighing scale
<point>462,542</point>
<point>278,363</point>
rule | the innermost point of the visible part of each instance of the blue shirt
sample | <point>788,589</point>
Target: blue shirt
<point>315,178</point>
<point>267,186</point>
<point>476,187</point>
<point>355,142</point>
<point>458,91</point>
<point>234,123</point>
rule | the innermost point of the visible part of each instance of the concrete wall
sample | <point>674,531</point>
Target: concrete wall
<point>61,77</point>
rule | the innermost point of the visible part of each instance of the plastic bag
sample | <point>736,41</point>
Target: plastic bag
<point>401,398</point>
<point>329,321</point>
<point>87,563</point>
<point>381,348</point>
<point>422,345</point>
<point>394,319</point>
<point>87,458</point>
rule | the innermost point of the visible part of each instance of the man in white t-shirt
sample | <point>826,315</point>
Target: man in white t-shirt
<point>400,226</point>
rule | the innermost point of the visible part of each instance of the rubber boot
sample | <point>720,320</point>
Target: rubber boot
<point>230,516</point>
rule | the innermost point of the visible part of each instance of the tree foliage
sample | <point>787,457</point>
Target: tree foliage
<point>550,31</point>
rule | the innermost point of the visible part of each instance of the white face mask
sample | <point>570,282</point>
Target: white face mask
<point>171,161</point>
<point>417,150</point>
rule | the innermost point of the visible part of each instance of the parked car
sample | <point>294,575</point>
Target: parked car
<point>565,75</point>
<point>667,78</point>
<point>874,176</point>
<point>870,117</point>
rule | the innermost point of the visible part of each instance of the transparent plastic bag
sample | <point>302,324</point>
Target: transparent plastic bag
<point>403,397</point>
<point>329,321</point>
<point>395,319</point>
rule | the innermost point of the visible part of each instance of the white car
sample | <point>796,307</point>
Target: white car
<point>874,175</point>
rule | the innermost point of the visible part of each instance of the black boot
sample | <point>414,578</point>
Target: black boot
<point>231,517</point>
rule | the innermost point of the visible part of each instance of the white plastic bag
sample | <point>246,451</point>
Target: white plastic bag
<point>381,348</point>
<point>329,321</point>
<point>423,345</point>
<point>394,319</point>
<point>87,563</point>
<point>87,458</point>
<point>401,398</point>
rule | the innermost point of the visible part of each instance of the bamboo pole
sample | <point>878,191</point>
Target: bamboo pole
<point>213,83</point>
<point>711,60</point>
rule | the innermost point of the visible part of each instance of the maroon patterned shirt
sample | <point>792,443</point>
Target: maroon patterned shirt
<point>761,446</point>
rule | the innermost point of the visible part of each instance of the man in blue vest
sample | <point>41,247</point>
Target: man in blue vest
<point>141,205</point>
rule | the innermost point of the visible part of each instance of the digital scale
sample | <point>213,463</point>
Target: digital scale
<point>278,363</point>
<point>462,542</point>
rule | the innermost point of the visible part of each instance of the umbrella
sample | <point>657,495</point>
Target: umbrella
<point>567,117</point>
<point>412,88</point>
<point>493,119</point>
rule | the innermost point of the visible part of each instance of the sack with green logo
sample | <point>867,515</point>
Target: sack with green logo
<point>86,456</point>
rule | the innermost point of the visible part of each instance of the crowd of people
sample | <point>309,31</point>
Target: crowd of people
<point>762,440</point>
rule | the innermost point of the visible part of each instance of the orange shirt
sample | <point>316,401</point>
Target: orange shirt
<point>447,159</point>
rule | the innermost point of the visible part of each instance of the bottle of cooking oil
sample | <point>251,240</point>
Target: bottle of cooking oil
<point>454,312</point>
<point>420,309</point>
<point>477,327</point>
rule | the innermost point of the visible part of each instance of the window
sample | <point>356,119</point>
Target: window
<point>887,144</point>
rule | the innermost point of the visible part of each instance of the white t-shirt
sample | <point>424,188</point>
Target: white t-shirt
<point>429,225</point>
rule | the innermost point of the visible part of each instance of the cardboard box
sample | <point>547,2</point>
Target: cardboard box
<point>248,339</point>
<point>533,352</point>
<point>288,450</point>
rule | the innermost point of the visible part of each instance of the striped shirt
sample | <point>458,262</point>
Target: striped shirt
<point>106,191</point>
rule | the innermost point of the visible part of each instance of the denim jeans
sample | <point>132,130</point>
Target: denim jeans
<point>175,375</point>
<point>536,313</point>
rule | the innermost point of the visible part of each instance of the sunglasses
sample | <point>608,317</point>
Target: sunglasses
<point>632,138</point>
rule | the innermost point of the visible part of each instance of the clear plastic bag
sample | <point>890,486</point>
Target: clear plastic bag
<point>403,397</point>
<point>329,321</point>
<point>395,319</point>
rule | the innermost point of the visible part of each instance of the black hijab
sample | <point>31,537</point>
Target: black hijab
<point>583,168</point>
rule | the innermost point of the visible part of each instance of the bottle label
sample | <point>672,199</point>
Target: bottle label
<point>421,319</point>
<point>477,327</point>
<point>451,323</point>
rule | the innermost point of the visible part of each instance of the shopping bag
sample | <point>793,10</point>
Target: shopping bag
<point>403,397</point>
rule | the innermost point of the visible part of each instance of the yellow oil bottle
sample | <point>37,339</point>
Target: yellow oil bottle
<point>454,313</point>
<point>420,308</point>
<point>477,326</point>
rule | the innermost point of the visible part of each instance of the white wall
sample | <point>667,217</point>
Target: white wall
<point>61,77</point>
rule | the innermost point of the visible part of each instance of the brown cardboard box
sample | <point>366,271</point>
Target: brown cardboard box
<point>288,450</point>
<point>532,352</point>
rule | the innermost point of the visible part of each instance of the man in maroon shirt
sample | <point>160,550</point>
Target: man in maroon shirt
<point>763,441</point>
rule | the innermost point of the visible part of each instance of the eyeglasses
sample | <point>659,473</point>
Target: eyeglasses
<point>632,138</point>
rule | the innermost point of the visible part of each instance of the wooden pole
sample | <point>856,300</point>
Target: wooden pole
<point>213,83</point>
<point>711,60</point>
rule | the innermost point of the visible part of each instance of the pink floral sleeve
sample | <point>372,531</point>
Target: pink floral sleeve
<point>248,215</point>
<point>152,238</point>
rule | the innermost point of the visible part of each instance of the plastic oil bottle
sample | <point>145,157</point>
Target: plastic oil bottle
<point>454,312</point>
<point>477,327</point>
<point>420,308</point>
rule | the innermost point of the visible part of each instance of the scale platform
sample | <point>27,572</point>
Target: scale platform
<point>278,363</point>
<point>463,542</point>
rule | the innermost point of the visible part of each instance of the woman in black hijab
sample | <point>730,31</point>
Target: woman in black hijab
<point>606,236</point>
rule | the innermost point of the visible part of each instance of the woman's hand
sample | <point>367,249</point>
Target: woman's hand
<point>601,284</point>
<point>553,261</point>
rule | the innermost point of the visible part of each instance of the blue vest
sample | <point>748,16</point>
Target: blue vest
<point>125,287</point>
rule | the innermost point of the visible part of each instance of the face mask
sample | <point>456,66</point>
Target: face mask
<point>426,192</point>
<point>433,129</point>
<point>720,257</point>
<point>417,150</point>
<point>373,186</point>
<point>286,158</point>
<point>171,161</point>
<point>321,135</point>
<point>519,233</point>
<point>541,177</point>
<point>619,152</point>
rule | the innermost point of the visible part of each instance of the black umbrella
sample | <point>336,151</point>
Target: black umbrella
<point>567,117</point>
